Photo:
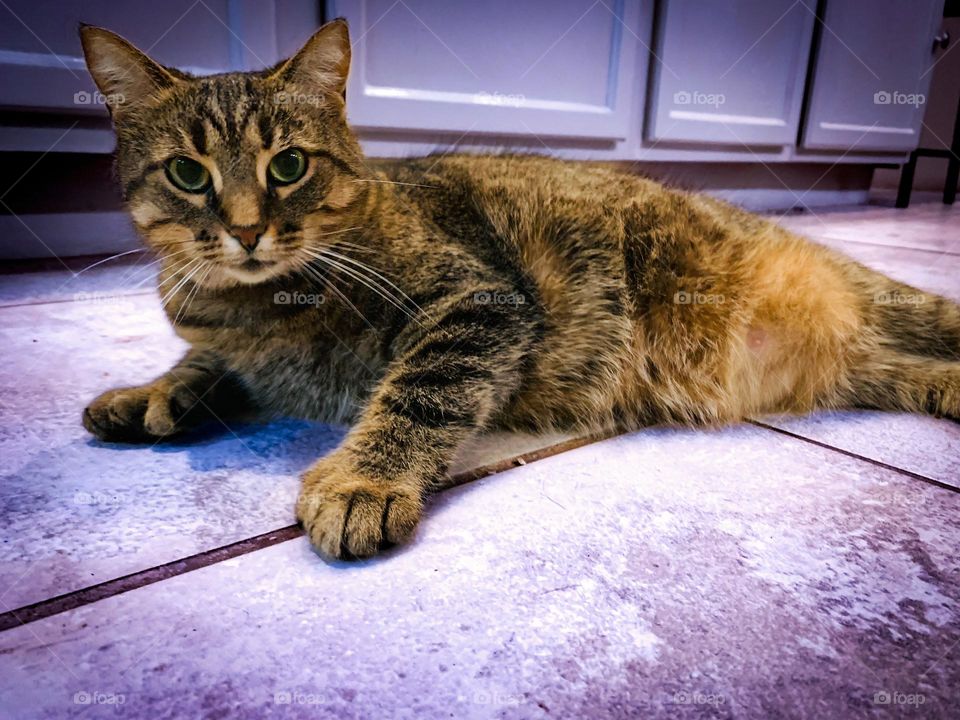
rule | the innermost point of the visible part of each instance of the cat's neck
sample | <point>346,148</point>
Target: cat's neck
<point>388,222</point>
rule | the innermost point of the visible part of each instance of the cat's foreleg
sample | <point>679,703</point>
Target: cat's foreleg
<point>195,390</point>
<point>446,382</point>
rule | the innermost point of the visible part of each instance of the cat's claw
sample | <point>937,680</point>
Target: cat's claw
<point>347,516</point>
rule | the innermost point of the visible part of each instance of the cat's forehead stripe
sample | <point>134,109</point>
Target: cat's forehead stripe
<point>198,135</point>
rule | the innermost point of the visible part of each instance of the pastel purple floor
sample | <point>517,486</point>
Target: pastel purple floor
<point>799,567</point>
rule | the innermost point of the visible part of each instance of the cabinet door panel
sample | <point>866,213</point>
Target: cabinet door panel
<point>729,73</point>
<point>871,74</point>
<point>559,68</point>
<point>42,63</point>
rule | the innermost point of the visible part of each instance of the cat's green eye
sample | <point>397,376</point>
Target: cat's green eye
<point>287,166</point>
<point>188,175</point>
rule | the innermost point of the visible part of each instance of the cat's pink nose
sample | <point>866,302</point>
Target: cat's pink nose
<point>248,237</point>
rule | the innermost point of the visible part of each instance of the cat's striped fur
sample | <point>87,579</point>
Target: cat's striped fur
<point>516,292</point>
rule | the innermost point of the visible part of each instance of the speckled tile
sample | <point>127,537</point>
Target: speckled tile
<point>736,573</point>
<point>75,512</point>
<point>90,280</point>
<point>930,271</point>
<point>919,246</point>
<point>920,444</point>
<point>930,226</point>
<point>871,235</point>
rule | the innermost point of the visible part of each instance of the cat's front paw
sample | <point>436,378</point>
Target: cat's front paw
<point>140,414</point>
<point>347,516</point>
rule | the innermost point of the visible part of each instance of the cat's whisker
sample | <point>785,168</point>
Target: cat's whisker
<point>374,280</point>
<point>194,291</point>
<point>364,267</point>
<point>394,182</point>
<point>313,272</point>
<point>138,268</point>
<point>352,246</point>
<point>112,257</point>
<point>338,232</point>
<point>174,274</point>
<point>372,285</point>
<point>191,277</point>
<point>166,298</point>
<point>299,235</point>
<point>367,282</point>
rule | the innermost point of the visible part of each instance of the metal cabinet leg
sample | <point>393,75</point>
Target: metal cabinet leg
<point>953,174</point>
<point>906,181</point>
<point>953,162</point>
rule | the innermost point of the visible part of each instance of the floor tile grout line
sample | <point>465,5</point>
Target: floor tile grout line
<point>857,456</point>
<point>61,301</point>
<point>818,238</point>
<point>82,597</point>
<point>110,588</point>
<point>116,586</point>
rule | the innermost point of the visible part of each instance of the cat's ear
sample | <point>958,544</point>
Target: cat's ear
<point>126,77</point>
<point>322,63</point>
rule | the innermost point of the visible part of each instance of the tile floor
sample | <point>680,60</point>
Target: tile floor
<point>791,567</point>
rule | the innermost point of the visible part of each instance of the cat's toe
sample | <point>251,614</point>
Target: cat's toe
<point>349,517</point>
<point>117,416</point>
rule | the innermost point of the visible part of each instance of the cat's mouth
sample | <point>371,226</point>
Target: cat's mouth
<point>253,270</point>
<point>255,265</point>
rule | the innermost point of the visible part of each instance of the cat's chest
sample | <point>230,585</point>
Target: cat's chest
<point>303,371</point>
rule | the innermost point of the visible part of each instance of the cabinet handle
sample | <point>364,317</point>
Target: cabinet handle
<point>941,41</point>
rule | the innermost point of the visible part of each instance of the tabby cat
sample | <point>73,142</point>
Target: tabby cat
<point>424,300</point>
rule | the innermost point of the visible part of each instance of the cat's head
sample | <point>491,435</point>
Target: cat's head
<point>242,174</point>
